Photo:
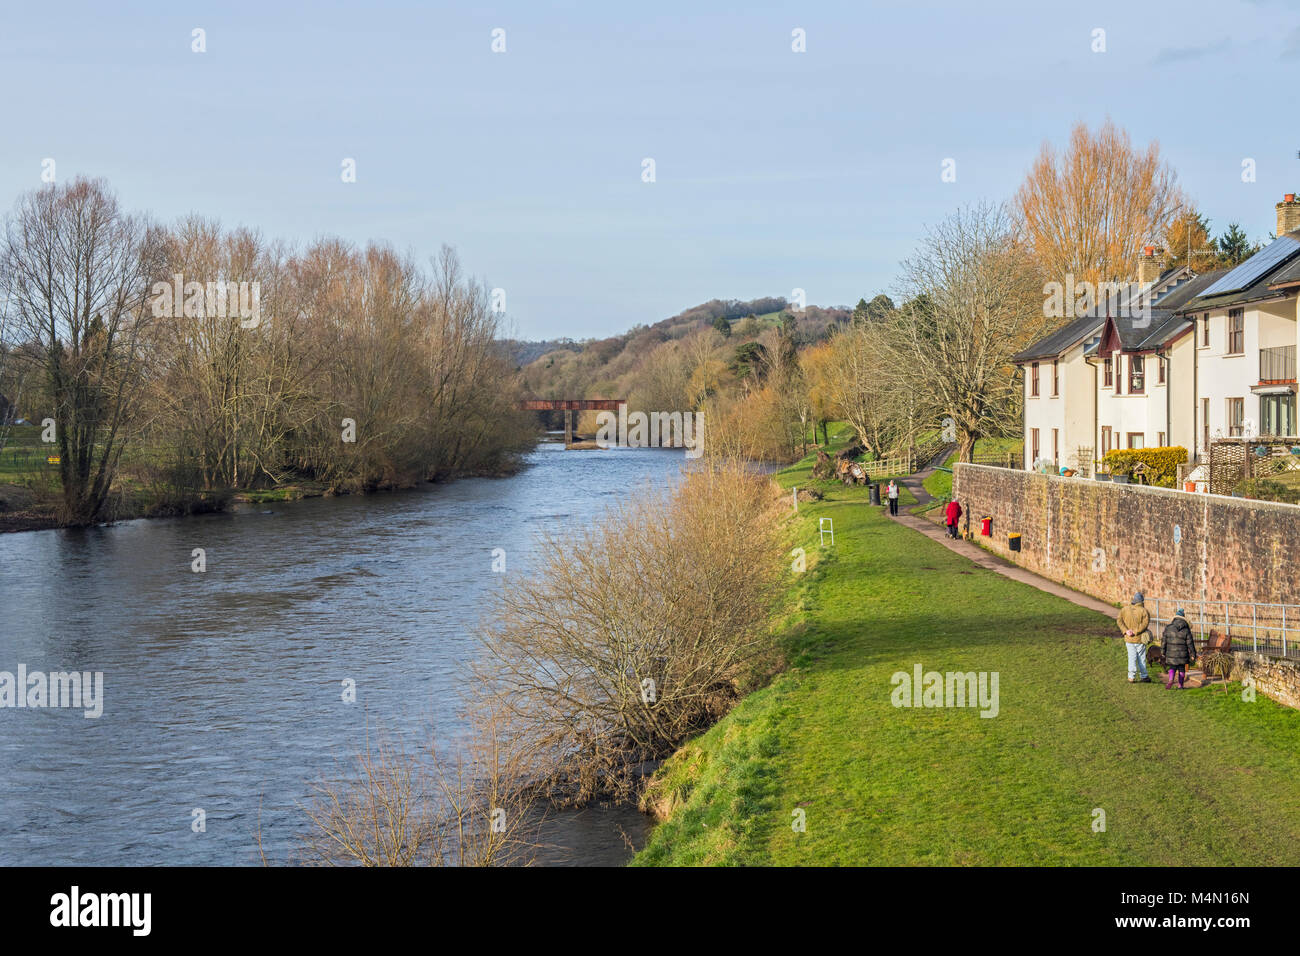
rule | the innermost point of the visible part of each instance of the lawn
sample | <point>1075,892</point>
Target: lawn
<point>1190,777</point>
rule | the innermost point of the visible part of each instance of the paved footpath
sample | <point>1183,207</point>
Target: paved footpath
<point>986,559</point>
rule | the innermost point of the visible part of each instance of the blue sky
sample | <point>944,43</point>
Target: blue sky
<point>774,169</point>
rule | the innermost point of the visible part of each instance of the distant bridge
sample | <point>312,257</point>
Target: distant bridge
<point>569,406</point>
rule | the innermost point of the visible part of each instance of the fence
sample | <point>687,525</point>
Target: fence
<point>1270,629</point>
<point>999,459</point>
<point>898,465</point>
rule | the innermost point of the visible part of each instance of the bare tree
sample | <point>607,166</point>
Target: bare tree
<point>78,271</point>
<point>975,301</point>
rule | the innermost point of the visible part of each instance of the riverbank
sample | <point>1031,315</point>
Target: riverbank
<point>35,508</point>
<point>1078,767</point>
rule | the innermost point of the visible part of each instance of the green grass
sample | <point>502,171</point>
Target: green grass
<point>1191,777</point>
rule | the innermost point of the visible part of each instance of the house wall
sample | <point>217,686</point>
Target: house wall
<point>1079,397</point>
<point>1182,397</point>
<point>1126,412</point>
<point>1222,376</point>
<point>1043,412</point>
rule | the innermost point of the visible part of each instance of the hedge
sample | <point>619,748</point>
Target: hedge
<point>1162,463</point>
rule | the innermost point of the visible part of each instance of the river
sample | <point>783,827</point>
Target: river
<point>223,690</point>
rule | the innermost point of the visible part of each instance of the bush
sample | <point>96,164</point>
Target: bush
<point>1161,463</point>
<point>632,635</point>
<point>1266,490</point>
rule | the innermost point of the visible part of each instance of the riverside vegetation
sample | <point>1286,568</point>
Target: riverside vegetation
<point>625,639</point>
<point>358,369</point>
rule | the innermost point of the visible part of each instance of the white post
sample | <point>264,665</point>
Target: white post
<point>826,526</point>
<point>794,497</point>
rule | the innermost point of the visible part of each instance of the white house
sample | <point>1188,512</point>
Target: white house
<point>1189,358</point>
<point>1146,378</point>
<point>1247,329</point>
<point>1065,389</point>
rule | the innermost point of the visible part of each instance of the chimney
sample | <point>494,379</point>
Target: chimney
<point>1288,214</point>
<point>1150,264</point>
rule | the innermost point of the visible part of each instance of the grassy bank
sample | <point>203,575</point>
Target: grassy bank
<point>1191,777</point>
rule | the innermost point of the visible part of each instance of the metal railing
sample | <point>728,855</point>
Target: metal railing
<point>1272,629</point>
<point>1277,364</point>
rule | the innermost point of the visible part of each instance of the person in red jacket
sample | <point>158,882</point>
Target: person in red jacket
<point>953,514</point>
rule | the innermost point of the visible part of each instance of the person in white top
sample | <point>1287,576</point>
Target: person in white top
<point>892,491</point>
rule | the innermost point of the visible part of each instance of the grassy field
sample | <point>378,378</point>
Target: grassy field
<point>1190,777</point>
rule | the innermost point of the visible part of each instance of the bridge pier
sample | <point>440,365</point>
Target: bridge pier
<point>569,406</point>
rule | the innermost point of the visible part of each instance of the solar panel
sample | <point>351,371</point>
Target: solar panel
<point>1272,255</point>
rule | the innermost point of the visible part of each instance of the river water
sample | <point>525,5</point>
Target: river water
<point>223,690</point>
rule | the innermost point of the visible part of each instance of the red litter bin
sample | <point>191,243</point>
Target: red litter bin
<point>986,526</point>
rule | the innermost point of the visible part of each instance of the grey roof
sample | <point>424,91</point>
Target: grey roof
<point>1060,341</point>
<point>1290,274</point>
<point>1138,334</point>
<point>1166,321</point>
<point>1158,329</point>
<point>1187,291</point>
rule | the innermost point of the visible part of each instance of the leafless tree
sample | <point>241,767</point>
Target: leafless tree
<point>77,271</point>
<point>975,301</point>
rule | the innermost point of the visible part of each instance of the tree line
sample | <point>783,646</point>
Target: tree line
<point>207,359</point>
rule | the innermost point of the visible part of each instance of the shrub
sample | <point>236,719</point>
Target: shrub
<point>632,635</point>
<point>1266,490</point>
<point>1161,463</point>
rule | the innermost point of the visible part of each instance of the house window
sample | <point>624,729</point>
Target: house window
<point>1033,434</point>
<point>1136,374</point>
<point>1277,415</point>
<point>1160,440</point>
<point>1205,330</point>
<point>1105,439</point>
<point>1135,440</point>
<point>1033,380</point>
<point>1056,447</point>
<point>1205,424</point>
<point>1236,416</point>
<point>1160,370</point>
<point>1236,331</point>
<point>1056,378</point>
<point>1109,367</point>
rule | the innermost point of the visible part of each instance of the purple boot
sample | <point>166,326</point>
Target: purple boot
<point>1169,680</point>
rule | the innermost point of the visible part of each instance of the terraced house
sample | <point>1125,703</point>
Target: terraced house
<point>1182,360</point>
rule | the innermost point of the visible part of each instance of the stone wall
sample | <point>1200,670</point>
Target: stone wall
<point>1273,677</point>
<point>1109,540</point>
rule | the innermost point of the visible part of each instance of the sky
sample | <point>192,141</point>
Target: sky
<point>774,170</point>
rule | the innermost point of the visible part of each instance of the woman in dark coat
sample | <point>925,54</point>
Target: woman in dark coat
<point>1179,649</point>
